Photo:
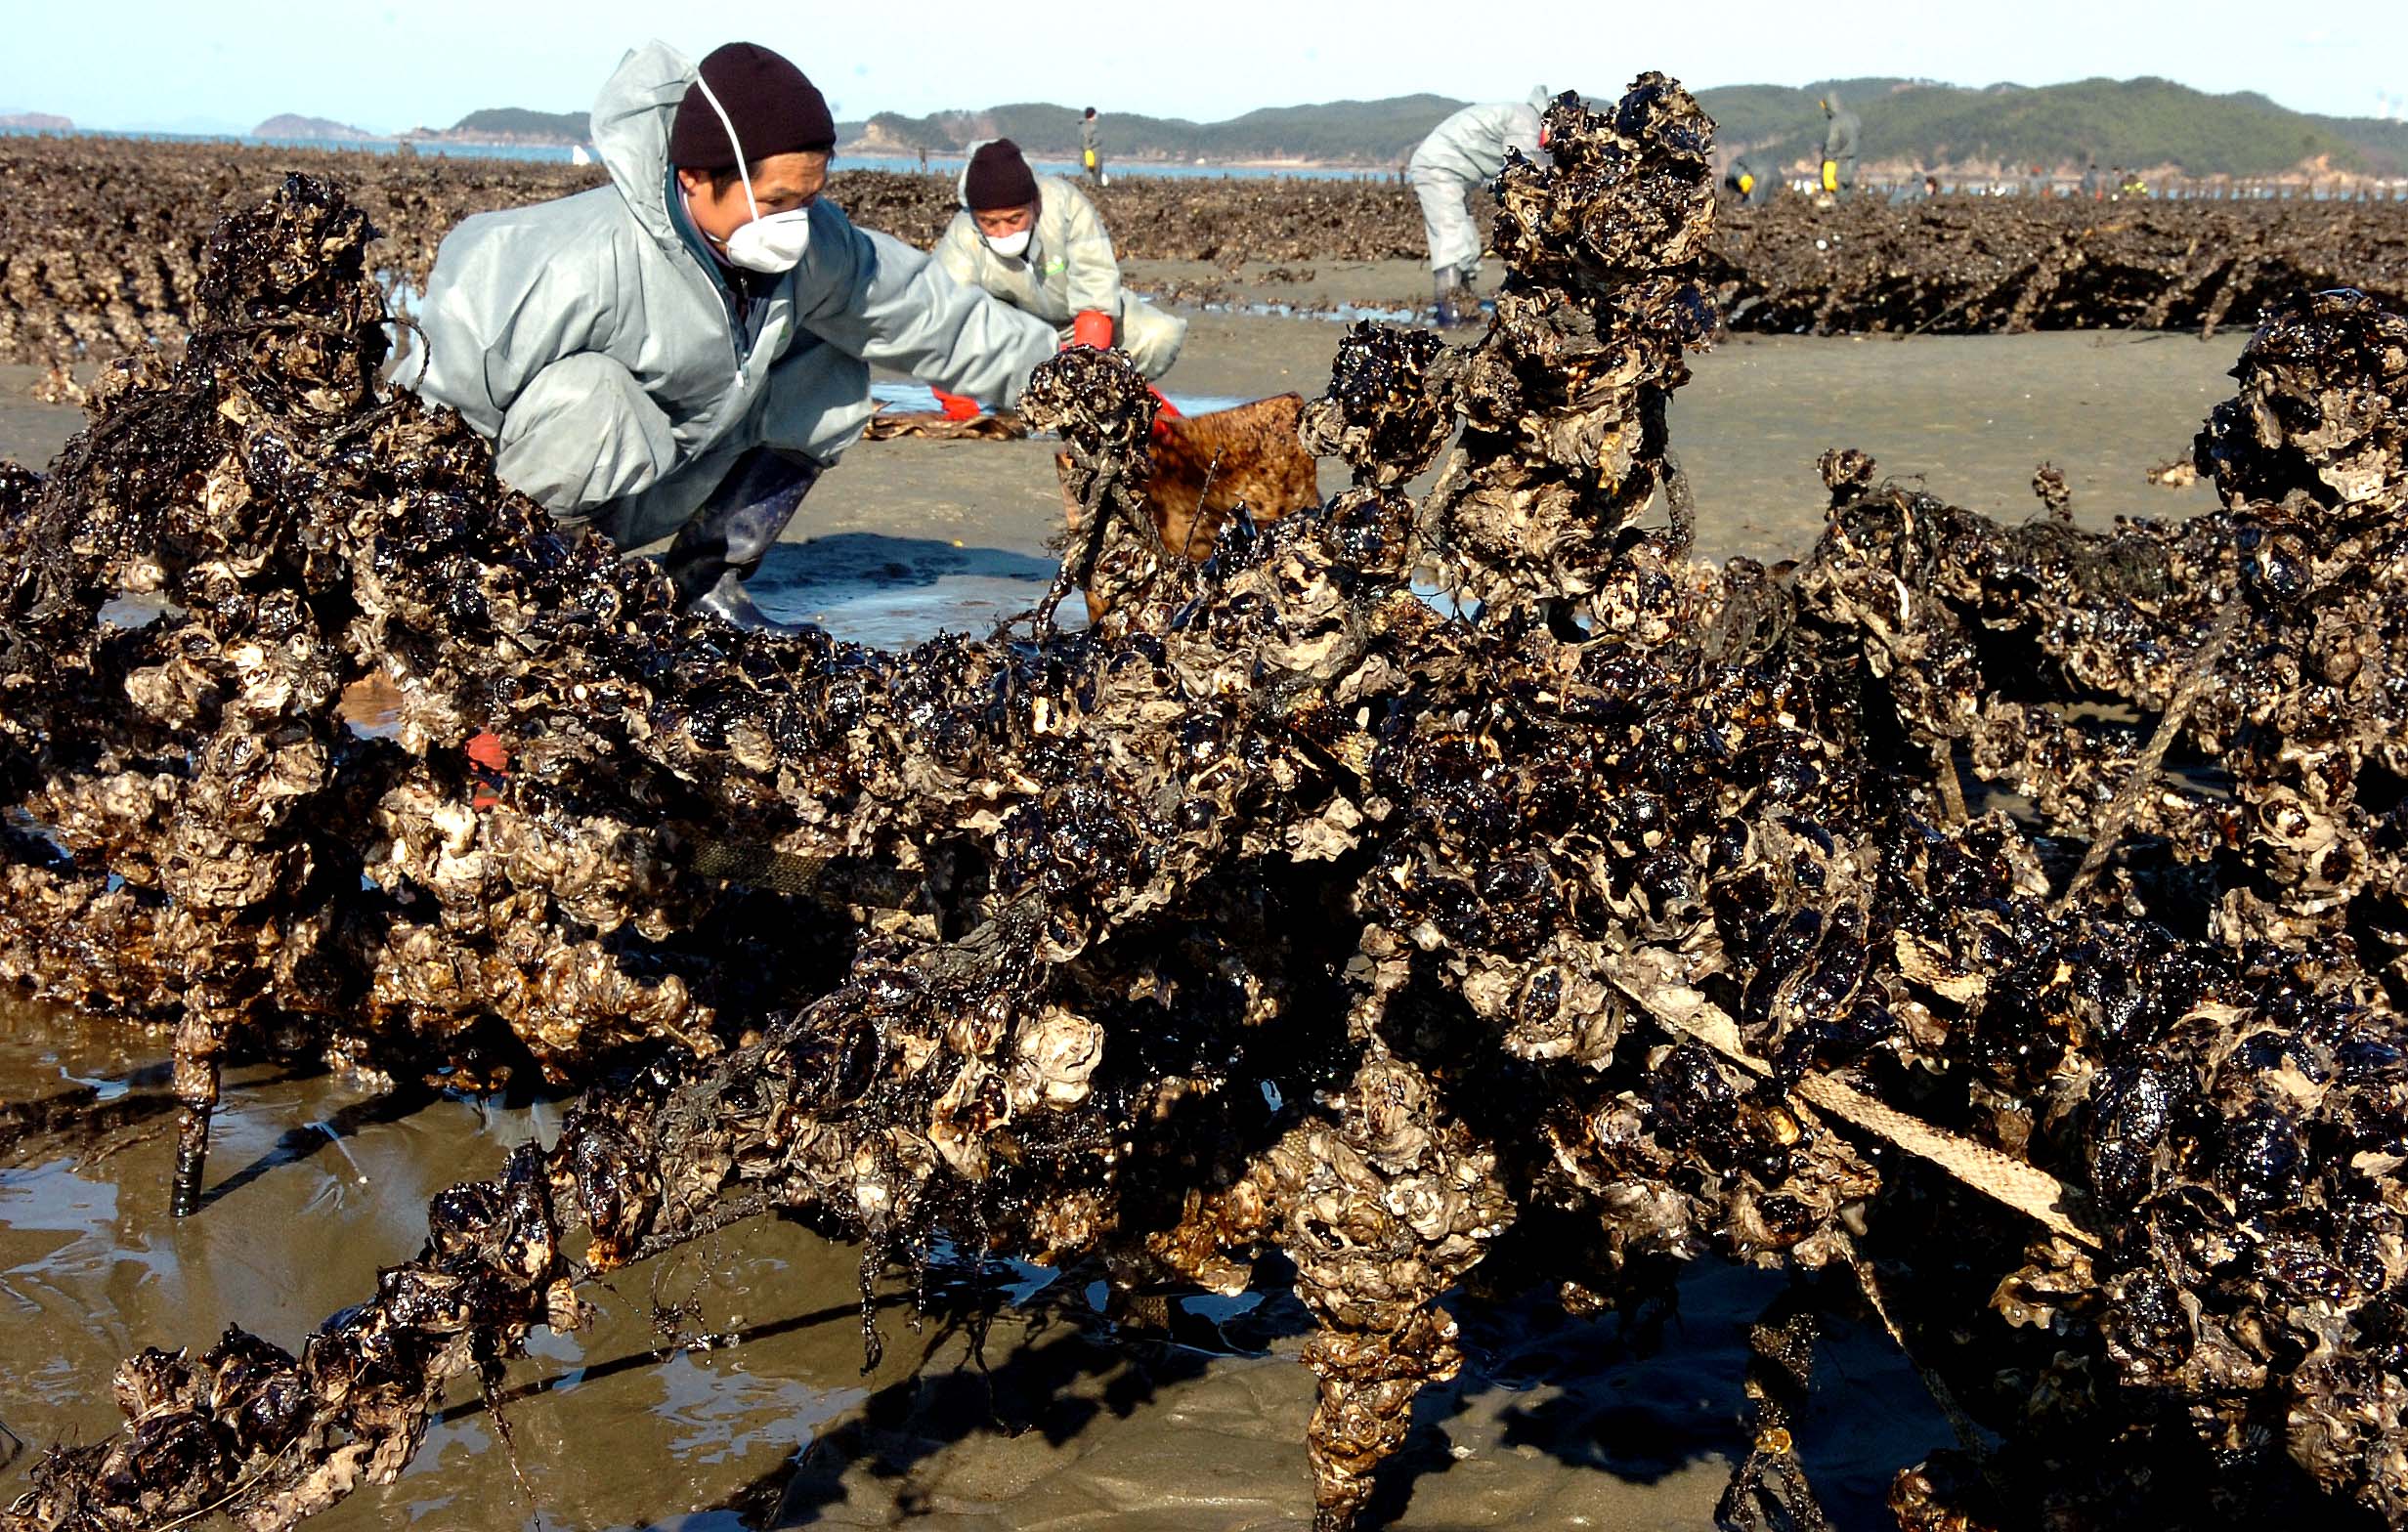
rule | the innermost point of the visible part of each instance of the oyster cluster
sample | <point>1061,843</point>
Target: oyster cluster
<point>2000,922</point>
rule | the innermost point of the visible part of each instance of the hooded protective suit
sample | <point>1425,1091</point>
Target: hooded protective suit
<point>599,344</point>
<point>1466,151</point>
<point>1068,270</point>
<point>1840,138</point>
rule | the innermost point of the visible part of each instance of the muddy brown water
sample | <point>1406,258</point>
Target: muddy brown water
<point>752,1410</point>
<point>316,1180</point>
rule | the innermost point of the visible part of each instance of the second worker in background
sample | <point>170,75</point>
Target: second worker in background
<point>1035,242</point>
<point>1465,151</point>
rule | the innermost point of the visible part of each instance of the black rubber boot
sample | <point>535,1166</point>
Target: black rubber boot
<point>716,552</point>
<point>1455,303</point>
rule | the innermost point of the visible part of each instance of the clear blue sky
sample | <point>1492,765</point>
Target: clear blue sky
<point>384,67</point>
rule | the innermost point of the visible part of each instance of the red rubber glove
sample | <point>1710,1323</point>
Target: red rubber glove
<point>1164,413</point>
<point>1092,327</point>
<point>956,407</point>
<point>492,760</point>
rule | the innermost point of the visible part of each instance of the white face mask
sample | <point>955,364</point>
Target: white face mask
<point>775,243</point>
<point>771,244</point>
<point>1009,246</point>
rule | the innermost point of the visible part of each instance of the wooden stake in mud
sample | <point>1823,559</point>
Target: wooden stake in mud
<point>199,1043</point>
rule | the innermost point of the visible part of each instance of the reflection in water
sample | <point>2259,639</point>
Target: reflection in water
<point>919,398</point>
<point>711,1416</point>
<point>1336,313</point>
<point>862,588</point>
<point>891,592</point>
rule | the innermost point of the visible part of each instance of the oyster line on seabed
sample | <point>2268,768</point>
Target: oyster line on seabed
<point>140,213</point>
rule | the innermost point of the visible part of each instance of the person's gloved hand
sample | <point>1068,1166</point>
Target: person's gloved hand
<point>1164,413</point>
<point>956,407</point>
<point>491,759</point>
<point>1092,327</point>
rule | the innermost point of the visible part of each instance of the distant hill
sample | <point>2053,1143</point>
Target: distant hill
<point>1908,124</point>
<point>39,121</point>
<point>2384,146</point>
<point>515,125</point>
<point>286,125</point>
<point>2147,124</point>
<point>2141,122</point>
<point>1375,132</point>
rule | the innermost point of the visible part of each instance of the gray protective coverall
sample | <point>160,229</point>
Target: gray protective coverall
<point>598,342</point>
<point>1069,268</point>
<point>1761,184</point>
<point>1840,139</point>
<point>1090,148</point>
<point>1467,150</point>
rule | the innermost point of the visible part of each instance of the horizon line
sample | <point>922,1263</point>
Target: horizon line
<point>1901,82</point>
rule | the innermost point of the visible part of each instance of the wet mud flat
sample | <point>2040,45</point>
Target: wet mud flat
<point>1968,417</point>
<point>908,537</point>
<point>721,1388</point>
<point>101,245</point>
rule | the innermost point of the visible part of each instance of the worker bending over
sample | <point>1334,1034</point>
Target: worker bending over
<point>687,348</point>
<point>1035,242</point>
<point>1468,150</point>
<point>1752,187</point>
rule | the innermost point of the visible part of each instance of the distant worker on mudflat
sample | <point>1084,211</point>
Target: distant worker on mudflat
<point>2090,182</point>
<point>1035,242</point>
<point>1839,136</point>
<point>1913,191</point>
<point>1091,148</point>
<point>1468,150</point>
<point>1750,185</point>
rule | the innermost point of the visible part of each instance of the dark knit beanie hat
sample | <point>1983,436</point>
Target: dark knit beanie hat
<point>999,178</point>
<point>776,111</point>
